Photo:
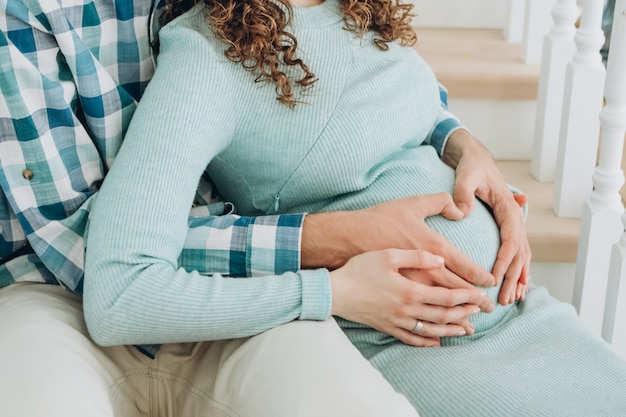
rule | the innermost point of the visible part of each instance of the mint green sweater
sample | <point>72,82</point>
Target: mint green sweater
<point>359,140</point>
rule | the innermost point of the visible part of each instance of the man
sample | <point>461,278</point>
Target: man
<point>71,76</point>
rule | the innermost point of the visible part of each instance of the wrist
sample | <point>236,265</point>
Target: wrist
<point>326,240</point>
<point>336,283</point>
<point>459,144</point>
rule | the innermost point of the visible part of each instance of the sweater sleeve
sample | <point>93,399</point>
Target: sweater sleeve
<point>135,292</point>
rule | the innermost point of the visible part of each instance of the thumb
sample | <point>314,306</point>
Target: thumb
<point>464,197</point>
<point>440,203</point>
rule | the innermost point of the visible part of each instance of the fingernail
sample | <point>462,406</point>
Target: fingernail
<point>438,260</point>
<point>461,332</point>
<point>476,310</point>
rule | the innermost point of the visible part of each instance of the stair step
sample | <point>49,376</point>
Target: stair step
<point>552,239</point>
<point>478,63</point>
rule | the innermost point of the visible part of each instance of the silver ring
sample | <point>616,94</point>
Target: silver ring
<point>418,327</point>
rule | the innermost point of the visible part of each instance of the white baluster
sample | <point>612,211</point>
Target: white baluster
<point>580,126</point>
<point>614,326</point>
<point>558,50</point>
<point>537,25</point>
<point>514,30</point>
<point>601,224</point>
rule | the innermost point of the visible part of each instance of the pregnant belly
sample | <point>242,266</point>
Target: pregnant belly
<point>477,235</point>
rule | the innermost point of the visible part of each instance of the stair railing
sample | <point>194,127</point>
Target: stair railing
<point>613,119</point>
<point>558,49</point>
<point>601,224</point>
<point>570,120</point>
<point>580,122</point>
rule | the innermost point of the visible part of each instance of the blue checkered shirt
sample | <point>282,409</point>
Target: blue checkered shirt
<point>71,74</point>
<point>71,77</point>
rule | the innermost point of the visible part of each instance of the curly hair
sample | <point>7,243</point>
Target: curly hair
<point>256,36</point>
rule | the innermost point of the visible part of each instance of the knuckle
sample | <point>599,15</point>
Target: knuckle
<point>411,297</point>
<point>421,256</point>
<point>472,275</point>
<point>401,310</point>
<point>389,256</point>
<point>438,246</point>
<point>440,316</point>
<point>449,299</point>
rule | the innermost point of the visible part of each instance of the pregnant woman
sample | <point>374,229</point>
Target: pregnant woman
<point>337,116</point>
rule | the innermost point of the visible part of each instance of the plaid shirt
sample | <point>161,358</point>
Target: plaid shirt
<point>71,74</point>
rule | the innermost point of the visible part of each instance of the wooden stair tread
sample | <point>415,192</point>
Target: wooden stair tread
<point>478,63</point>
<point>552,239</point>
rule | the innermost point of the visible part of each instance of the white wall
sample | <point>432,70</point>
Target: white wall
<point>505,127</point>
<point>460,13</point>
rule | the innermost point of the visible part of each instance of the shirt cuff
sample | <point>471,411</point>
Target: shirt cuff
<point>274,244</point>
<point>316,294</point>
<point>441,133</point>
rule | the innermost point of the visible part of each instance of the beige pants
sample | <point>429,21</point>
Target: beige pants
<point>49,367</point>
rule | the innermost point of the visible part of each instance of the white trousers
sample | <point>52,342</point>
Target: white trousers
<point>50,367</point>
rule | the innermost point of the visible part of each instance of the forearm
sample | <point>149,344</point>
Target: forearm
<point>330,239</point>
<point>157,303</point>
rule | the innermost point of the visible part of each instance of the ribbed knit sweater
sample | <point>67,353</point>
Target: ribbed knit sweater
<point>357,139</point>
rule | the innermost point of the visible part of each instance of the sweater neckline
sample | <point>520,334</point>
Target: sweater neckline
<point>324,14</point>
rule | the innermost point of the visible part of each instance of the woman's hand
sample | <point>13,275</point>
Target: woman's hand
<point>371,289</point>
<point>477,175</point>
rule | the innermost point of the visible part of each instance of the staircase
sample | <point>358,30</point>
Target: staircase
<point>554,114</point>
<point>494,94</point>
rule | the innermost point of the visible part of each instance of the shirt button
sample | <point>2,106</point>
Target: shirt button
<point>27,174</point>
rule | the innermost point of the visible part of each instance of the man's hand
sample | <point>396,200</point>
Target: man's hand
<point>330,239</point>
<point>372,289</point>
<point>477,175</point>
